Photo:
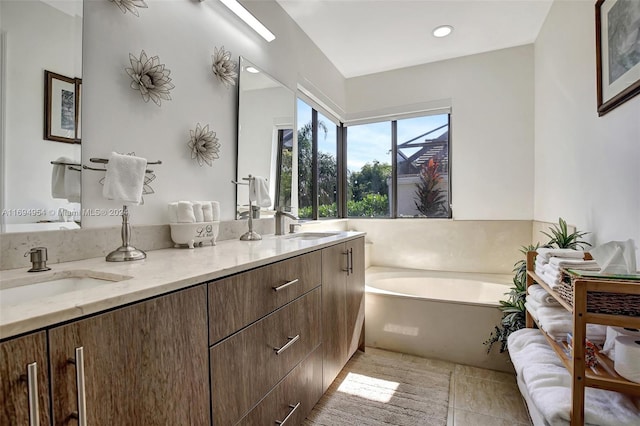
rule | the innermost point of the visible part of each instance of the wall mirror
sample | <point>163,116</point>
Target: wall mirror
<point>40,36</point>
<point>266,139</point>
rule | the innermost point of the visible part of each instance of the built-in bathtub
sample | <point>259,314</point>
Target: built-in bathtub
<point>435,314</point>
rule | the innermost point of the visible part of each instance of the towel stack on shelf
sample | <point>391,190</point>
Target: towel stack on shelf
<point>554,319</point>
<point>194,211</point>
<point>546,385</point>
<point>550,261</point>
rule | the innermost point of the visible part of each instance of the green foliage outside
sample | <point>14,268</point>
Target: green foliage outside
<point>513,309</point>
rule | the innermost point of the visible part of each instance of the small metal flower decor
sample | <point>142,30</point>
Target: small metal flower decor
<point>204,145</point>
<point>223,67</point>
<point>150,77</point>
<point>130,5</point>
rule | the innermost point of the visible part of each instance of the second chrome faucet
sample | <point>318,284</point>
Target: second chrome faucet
<point>279,218</point>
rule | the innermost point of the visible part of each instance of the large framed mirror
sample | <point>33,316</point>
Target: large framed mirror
<point>37,37</point>
<point>266,138</point>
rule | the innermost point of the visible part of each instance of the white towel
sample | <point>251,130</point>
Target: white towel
<point>185,212</point>
<point>65,183</point>
<point>197,211</point>
<point>173,212</point>
<point>533,304</point>
<point>215,211</point>
<point>259,191</point>
<point>124,179</point>
<point>541,296</point>
<point>561,262</point>
<point>547,253</point>
<point>557,322</point>
<point>207,212</point>
<point>528,346</point>
<point>549,386</point>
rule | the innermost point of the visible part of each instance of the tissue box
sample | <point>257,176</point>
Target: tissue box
<point>194,234</point>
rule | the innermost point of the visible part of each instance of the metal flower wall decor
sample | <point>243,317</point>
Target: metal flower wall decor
<point>223,67</point>
<point>150,77</point>
<point>130,5</point>
<point>204,145</point>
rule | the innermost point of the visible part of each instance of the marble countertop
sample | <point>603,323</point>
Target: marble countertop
<point>161,272</point>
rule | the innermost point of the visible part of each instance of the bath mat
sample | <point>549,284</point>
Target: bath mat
<point>374,389</point>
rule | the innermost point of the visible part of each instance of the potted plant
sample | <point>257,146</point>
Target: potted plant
<point>513,308</point>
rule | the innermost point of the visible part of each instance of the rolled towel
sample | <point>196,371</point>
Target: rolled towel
<point>259,191</point>
<point>547,253</point>
<point>207,213</point>
<point>541,261</point>
<point>185,212</point>
<point>215,211</point>
<point>197,211</point>
<point>124,179</point>
<point>542,296</point>
<point>173,212</point>
<point>557,322</point>
<point>533,304</point>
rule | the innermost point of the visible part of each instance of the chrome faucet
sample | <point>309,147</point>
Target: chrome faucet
<point>279,217</point>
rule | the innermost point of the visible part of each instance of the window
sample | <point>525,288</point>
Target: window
<point>393,168</point>
<point>369,170</point>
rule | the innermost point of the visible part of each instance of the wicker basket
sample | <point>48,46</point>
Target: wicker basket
<point>601,302</point>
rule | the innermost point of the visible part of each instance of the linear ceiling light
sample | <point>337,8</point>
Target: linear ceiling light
<point>247,17</point>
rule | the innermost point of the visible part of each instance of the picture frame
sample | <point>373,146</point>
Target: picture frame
<point>61,108</point>
<point>617,60</point>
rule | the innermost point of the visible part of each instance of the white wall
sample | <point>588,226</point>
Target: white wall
<point>587,168</point>
<point>183,34</point>
<point>38,37</point>
<point>491,124</point>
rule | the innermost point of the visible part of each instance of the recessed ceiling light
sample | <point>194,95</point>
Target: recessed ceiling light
<point>442,31</point>
<point>252,70</point>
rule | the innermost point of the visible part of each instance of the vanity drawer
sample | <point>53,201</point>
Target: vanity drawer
<point>239,300</point>
<point>295,396</point>
<point>247,365</point>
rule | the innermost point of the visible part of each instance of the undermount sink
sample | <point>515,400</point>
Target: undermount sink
<point>311,235</point>
<point>37,287</point>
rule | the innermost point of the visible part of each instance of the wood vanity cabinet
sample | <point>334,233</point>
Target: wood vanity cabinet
<point>142,364</point>
<point>342,305</point>
<point>24,384</point>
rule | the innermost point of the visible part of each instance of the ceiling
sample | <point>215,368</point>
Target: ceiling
<point>368,36</point>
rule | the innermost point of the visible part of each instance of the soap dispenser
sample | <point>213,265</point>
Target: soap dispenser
<point>38,259</point>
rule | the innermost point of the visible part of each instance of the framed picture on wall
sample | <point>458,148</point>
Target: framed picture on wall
<point>61,107</point>
<point>617,52</point>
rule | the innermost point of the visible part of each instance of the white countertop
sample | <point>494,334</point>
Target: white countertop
<point>161,272</point>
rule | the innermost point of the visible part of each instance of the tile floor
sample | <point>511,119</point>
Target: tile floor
<point>477,397</point>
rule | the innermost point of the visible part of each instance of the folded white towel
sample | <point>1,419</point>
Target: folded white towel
<point>549,386</point>
<point>533,304</point>
<point>215,211</point>
<point>528,346</point>
<point>541,296</point>
<point>557,322</point>
<point>185,212</point>
<point>560,262</point>
<point>124,179</point>
<point>259,191</point>
<point>541,261</point>
<point>173,212</point>
<point>197,211</point>
<point>531,311</point>
<point>547,253</point>
<point>65,183</point>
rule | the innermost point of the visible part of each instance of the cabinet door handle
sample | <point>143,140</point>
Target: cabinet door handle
<point>32,390</point>
<point>350,261</point>
<point>347,269</point>
<point>285,285</point>
<point>291,341</point>
<point>82,400</point>
<point>293,410</point>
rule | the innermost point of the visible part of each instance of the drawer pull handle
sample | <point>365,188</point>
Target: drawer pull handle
<point>32,389</point>
<point>293,409</point>
<point>291,341</point>
<point>285,285</point>
<point>81,414</point>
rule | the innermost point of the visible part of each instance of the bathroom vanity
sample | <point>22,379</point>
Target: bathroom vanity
<point>248,333</point>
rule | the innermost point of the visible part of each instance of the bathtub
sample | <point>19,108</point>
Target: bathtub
<point>435,314</point>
